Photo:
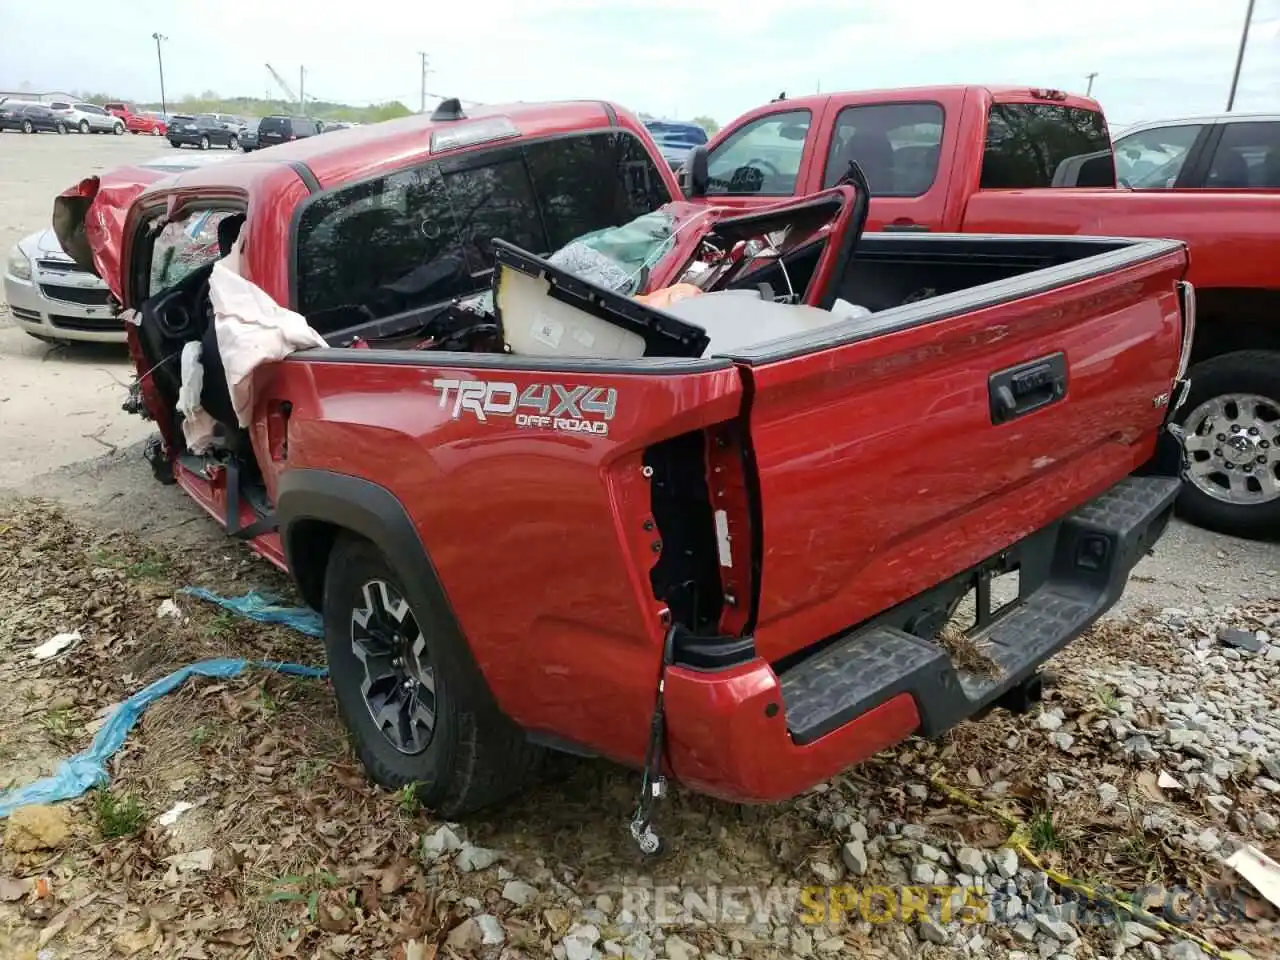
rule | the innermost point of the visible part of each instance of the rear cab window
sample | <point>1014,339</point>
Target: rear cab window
<point>897,145</point>
<point>420,237</point>
<point>762,158</point>
<point>1031,145</point>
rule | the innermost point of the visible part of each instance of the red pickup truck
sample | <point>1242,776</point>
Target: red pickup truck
<point>682,505</point>
<point>135,121</point>
<point>1001,160</point>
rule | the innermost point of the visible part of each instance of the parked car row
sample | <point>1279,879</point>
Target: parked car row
<point>69,116</point>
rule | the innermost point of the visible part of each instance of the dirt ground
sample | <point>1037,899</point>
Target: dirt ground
<point>287,851</point>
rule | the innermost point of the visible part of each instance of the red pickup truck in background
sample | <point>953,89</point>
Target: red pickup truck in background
<point>988,160</point>
<point>136,121</point>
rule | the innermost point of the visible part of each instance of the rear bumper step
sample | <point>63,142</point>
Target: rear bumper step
<point>1096,548</point>
<point>750,733</point>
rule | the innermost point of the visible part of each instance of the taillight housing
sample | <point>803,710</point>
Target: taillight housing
<point>1187,301</point>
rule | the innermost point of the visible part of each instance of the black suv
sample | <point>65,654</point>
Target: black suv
<point>273,130</point>
<point>204,130</point>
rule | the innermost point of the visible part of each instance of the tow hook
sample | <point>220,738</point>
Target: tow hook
<point>653,785</point>
<point>1024,696</point>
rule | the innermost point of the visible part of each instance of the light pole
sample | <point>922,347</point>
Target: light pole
<point>1244,40</point>
<point>425,60</point>
<point>1089,90</point>
<point>157,37</point>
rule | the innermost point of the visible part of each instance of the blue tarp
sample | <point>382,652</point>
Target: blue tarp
<point>265,609</point>
<point>89,769</point>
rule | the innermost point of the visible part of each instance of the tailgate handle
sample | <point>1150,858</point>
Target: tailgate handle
<point>1027,387</point>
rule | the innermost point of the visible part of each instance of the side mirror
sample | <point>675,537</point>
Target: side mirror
<point>694,178</point>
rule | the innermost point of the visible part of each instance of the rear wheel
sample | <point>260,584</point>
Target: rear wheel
<point>60,127</point>
<point>414,702</point>
<point>1232,425</point>
<point>233,143</point>
<point>118,129</point>
<point>28,127</point>
<point>84,126</point>
<point>175,144</point>
<point>204,142</point>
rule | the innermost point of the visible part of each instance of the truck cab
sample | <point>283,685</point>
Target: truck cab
<point>1019,160</point>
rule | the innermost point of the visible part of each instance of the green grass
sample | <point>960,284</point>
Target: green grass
<point>202,734</point>
<point>293,888</point>
<point>117,815</point>
<point>60,726</point>
<point>221,624</point>
<point>407,799</point>
<point>1044,835</point>
<point>1107,698</point>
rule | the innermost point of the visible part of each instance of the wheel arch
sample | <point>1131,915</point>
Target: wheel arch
<point>1231,319</point>
<point>314,507</point>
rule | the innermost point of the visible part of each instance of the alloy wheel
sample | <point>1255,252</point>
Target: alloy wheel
<point>1233,444</point>
<point>398,685</point>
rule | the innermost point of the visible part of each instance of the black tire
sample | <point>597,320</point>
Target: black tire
<point>118,129</point>
<point>204,142</point>
<point>61,128</point>
<point>476,756</point>
<point>1254,372</point>
<point>28,127</point>
<point>83,126</point>
<point>175,144</point>
<point>233,143</point>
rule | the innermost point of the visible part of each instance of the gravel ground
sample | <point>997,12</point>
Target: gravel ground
<point>1155,754</point>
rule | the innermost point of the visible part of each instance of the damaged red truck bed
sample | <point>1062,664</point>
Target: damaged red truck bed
<point>525,509</point>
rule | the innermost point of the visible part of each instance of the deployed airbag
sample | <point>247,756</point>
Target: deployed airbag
<point>251,329</point>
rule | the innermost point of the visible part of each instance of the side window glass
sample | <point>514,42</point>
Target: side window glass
<point>761,158</point>
<point>494,200</point>
<point>1248,155</point>
<point>588,183</point>
<point>1154,158</point>
<point>183,246</point>
<point>896,144</point>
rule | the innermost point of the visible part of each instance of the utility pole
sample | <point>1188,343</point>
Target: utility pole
<point>157,37</point>
<point>302,90</point>
<point>425,60</point>
<point>1244,40</point>
<point>1089,90</point>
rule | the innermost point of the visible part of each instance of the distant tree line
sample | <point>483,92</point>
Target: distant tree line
<point>210,102</point>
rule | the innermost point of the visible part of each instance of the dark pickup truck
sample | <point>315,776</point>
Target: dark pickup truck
<point>1014,160</point>
<point>691,508</point>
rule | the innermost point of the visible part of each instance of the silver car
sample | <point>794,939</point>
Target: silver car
<point>86,117</point>
<point>53,299</point>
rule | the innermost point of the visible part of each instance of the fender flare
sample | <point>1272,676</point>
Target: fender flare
<point>336,502</point>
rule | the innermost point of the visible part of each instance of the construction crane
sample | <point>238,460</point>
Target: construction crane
<point>280,81</point>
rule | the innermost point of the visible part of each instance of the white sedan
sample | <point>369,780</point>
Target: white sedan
<point>53,299</point>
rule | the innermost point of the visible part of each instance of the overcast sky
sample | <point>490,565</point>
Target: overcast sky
<point>1154,58</point>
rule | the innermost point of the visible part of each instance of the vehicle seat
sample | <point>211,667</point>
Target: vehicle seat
<point>1270,168</point>
<point>874,154</point>
<point>1229,170</point>
<point>216,395</point>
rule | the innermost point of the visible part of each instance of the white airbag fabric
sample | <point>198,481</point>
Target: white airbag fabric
<point>252,329</point>
<point>197,425</point>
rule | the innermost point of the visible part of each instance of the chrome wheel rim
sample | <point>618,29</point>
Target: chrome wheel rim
<point>1233,444</point>
<point>398,682</point>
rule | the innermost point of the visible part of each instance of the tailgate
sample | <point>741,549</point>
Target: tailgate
<point>896,456</point>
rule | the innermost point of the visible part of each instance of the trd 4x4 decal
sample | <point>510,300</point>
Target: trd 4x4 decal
<point>545,406</point>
